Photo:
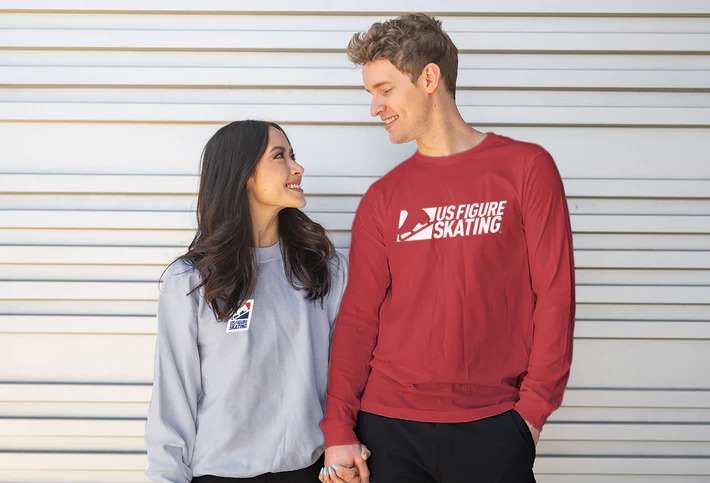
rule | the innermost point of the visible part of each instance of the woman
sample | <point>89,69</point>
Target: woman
<point>244,323</point>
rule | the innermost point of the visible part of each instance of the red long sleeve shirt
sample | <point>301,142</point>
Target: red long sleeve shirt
<point>460,297</point>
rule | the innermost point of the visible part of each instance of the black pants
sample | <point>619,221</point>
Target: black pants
<point>498,449</point>
<point>305,475</point>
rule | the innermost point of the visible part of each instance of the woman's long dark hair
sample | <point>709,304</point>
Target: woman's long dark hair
<point>222,250</point>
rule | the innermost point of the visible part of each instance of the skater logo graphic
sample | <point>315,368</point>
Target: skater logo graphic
<point>451,221</point>
<point>417,226</point>
<point>239,322</point>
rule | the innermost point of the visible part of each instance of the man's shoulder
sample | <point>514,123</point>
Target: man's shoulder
<point>392,178</point>
<point>524,149</point>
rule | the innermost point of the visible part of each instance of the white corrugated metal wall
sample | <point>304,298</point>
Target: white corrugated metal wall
<point>104,109</point>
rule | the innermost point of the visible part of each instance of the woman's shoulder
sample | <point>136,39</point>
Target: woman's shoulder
<point>180,277</point>
<point>339,261</point>
<point>339,266</point>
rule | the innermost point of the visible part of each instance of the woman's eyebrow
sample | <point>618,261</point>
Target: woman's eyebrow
<point>277,147</point>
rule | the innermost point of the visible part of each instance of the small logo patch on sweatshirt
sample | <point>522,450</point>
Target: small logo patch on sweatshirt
<point>239,322</point>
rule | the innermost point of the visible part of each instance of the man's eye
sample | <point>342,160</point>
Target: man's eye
<point>387,91</point>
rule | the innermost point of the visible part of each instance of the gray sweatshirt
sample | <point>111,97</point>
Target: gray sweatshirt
<point>242,398</point>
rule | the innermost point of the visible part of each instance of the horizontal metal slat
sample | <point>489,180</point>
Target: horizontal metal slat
<point>575,397</point>
<point>553,430</point>
<point>584,329</point>
<point>148,291</point>
<point>543,465</point>
<point>336,150</point>
<point>344,77</point>
<point>611,7</point>
<point>598,363</point>
<point>162,256</point>
<point>168,220</point>
<point>337,40</point>
<point>348,114</point>
<point>19,183</point>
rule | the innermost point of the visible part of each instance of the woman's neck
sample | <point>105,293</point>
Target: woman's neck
<point>264,227</point>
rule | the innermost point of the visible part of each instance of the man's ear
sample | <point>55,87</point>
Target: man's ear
<point>430,77</point>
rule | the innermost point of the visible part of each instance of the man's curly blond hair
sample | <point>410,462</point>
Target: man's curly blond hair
<point>410,42</point>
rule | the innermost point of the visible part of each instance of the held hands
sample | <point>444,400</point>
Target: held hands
<point>346,464</point>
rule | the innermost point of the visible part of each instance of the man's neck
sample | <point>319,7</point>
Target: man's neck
<point>448,133</point>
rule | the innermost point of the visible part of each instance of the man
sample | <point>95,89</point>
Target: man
<point>454,339</point>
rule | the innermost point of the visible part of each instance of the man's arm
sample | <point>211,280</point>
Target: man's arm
<point>549,243</point>
<point>356,329</point>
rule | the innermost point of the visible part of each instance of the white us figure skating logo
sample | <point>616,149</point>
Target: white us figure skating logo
<point>450,221</point>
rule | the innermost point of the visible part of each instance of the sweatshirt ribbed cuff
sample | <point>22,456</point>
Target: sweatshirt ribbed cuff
<point>534,412</point>
<point>338,433</point>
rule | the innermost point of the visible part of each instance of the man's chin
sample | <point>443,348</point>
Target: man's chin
<point>399,139</point>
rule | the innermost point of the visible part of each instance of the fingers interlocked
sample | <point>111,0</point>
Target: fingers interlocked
<point>338,474</point>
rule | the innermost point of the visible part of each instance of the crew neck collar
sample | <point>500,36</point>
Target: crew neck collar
<point>265,254</point>
<point>453,158</point>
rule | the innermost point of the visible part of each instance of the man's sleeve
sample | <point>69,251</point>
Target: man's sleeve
<point>549,243</point>
<point>357,324</point>
<point>170,428</point>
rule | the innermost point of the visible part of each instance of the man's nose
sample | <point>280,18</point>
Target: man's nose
<point>375,107</point>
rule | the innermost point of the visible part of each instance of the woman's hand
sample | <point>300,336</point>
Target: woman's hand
<point>346,464</point>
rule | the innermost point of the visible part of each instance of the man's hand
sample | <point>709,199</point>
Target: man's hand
<point>339,474</point>
<point>534,431</point>
<point>346,464</point>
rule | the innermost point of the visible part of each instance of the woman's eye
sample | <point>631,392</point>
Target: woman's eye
<point>279,154</point>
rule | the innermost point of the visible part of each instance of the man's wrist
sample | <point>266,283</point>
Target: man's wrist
<point>343,441</point>
<point>533,412</point>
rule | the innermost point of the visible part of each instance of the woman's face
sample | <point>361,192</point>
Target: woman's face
<point>276,182</point>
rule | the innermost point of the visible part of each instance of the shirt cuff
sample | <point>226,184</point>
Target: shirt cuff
<point>534,412</point>
<point>337,434</point>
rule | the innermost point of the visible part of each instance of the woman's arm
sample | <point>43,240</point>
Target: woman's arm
<point>339,279</point>
<point>170,428</point>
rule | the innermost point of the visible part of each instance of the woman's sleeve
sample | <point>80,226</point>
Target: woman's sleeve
<point>170,428</point>
<point>339,281</point>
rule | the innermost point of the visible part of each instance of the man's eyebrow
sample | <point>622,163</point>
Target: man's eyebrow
<point>378,85</point>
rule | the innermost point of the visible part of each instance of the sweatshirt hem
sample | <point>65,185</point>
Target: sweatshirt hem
<point>422,415</point>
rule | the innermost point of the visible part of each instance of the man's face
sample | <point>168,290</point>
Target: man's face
<point>403,106</point>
